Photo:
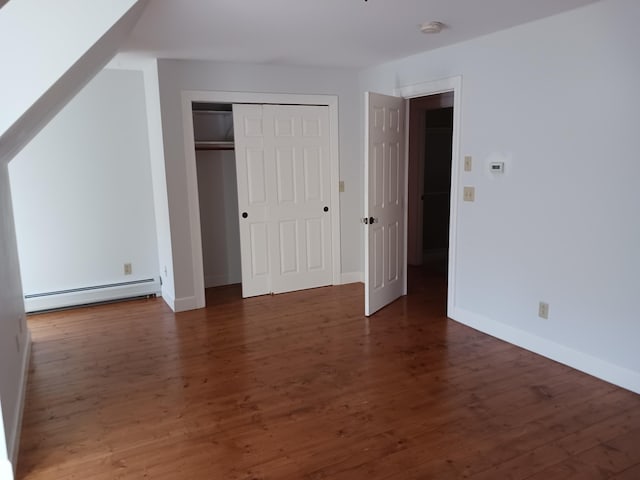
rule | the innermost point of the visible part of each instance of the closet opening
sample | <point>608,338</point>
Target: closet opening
<point>265,203</point>
<point>285,192</point>
<point>217,194</point>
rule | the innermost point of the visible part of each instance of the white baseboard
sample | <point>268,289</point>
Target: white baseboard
<point>615,374</point>
<point>168,298</point>
<point>219,280</point>
<point>351,277</point>
<point>184,304</point>
<point>13,444</point>
<point>70,299</point>
<point>6,470</point>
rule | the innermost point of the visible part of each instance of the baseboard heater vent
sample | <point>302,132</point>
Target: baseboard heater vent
<point>35,302</point>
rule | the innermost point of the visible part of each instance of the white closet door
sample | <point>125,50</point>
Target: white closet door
<point>283,166</point>
<point>254,197</point>
<point>385,272</point>
<point>300,241</point>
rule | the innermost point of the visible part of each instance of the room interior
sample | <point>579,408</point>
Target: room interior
<point>95,171</point>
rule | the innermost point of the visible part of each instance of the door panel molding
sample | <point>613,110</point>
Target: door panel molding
<point>385,245</point>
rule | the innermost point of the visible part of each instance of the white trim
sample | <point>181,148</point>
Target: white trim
<point>185,303</point>
<point>168,298</point>
<point>14,437</point>
<point>351,277</point>
<point>189,96</point>
<point>405,286</point>
<point>91,296</point>
<point>452,84</point>
<point>219,280</point>
<point>6,470</point>
<point>606,371</point>
<point>432,87</point>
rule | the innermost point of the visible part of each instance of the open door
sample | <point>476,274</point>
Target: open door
<point>385,270</point>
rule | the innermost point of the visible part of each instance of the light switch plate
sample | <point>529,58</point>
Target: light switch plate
<point>468,163</point>
<point>341,186</point>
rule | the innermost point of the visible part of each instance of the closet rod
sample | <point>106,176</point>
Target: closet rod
<point>214,145</point>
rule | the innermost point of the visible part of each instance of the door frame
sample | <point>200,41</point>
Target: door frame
<point>190,96</point>
<point>423,89</point>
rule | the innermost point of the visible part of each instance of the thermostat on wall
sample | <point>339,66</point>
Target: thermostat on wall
<point>496,167</point>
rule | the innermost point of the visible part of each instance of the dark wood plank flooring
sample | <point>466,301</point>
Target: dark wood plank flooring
<point>303,386</point>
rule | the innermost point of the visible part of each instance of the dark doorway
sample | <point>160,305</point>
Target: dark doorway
<point>430,149</point>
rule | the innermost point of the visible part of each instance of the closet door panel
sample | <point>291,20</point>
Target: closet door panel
<point>283,166</point>
<point>300,134</point>
<point>253,199</point>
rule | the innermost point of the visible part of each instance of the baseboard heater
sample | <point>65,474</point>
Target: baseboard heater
<point>36,302</point>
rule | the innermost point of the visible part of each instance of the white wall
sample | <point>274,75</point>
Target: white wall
<point>6,469</point>
<point>14,337</point>
<point>43,71</point>
<point>218,192</point>
<point>31,32</point>
<point>176,76</point>
<point>149,69</point>
<point>82,195</point>
<point>557,100</point>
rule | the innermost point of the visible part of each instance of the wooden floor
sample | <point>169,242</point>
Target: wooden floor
<point>302,386</point>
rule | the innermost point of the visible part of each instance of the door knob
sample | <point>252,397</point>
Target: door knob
<point>245,214</point>
<point>326,209</point>
<point>372,220</point>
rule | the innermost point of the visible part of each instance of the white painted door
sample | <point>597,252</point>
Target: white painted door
<point>254,194</point>
<point>297,137</point>
<point>384,201</point>
<point>283,166</point>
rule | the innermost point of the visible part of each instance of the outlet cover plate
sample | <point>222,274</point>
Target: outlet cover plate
<point>469,194</point>
<point>543,310</point>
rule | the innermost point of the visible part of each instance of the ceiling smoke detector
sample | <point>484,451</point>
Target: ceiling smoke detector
<point>432,27</point>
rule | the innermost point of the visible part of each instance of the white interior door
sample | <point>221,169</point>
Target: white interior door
<point>384,201</point>
<point>252,170</point>
<point>284,197</point>
<point>297,137</point>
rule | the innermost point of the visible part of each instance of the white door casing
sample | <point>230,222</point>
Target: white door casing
<point>385,243</point>
<point>451,84</point>
<point>284,197</point>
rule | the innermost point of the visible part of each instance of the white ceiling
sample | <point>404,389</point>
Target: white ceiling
<point>337,33</point>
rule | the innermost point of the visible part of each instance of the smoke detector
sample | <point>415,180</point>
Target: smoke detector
<point>432,27</point>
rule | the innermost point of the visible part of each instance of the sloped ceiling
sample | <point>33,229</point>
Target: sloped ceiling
<point>335,33</point>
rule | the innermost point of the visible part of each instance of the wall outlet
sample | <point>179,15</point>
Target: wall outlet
<point>127,269</point>
<point>469,194</point>
<point>543,310</point>
<point>468,163</point>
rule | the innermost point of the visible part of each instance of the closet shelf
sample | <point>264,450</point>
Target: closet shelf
<point>214,145</point>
